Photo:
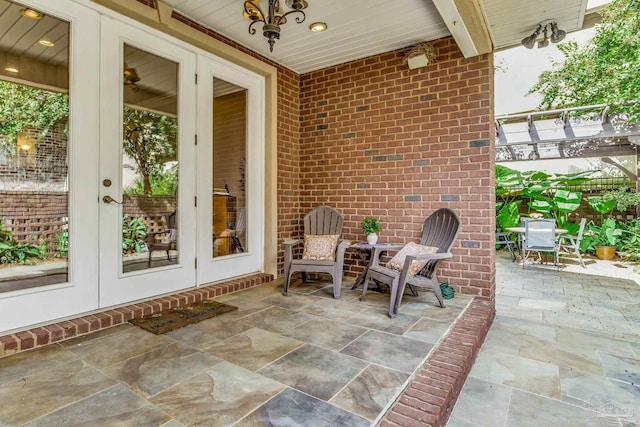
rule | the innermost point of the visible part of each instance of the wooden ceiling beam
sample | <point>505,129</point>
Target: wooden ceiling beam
<point>467,25</point>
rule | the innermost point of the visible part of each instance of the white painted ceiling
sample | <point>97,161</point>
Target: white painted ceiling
<point>357,29</point>
<point>361,28</point>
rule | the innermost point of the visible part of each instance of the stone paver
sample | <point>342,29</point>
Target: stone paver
<point>564,349</point>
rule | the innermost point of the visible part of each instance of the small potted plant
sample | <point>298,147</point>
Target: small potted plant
<point>371,226</point>
<point>605,238</point>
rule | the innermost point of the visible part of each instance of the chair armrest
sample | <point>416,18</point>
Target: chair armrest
<point>572,239</point>
<point>410,258</point>
<point>342,247</point>
<point>443,255</point>
<point>287,246</point>
<point>291,242</point>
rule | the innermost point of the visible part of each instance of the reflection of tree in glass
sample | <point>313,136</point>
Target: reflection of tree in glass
<point>150,140</point>
<point>23,107</point>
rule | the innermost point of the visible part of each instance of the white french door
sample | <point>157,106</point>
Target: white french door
<point>230,170</point>
<point>148,111</point>
<point>78,291</point>
<point>130,89</point>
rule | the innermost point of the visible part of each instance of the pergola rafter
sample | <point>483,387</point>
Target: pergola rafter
<point>588,131</point>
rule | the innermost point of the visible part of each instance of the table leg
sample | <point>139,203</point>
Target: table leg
<point>366,255</point>
<point>363,256</point>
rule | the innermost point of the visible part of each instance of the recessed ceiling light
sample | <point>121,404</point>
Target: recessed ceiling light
<point>31,14</point>
<point>46,43</point>
<point>318,27</point>
<point>11,69</point>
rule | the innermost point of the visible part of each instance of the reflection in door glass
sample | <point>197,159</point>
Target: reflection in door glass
<point>34,175</point>
<point>229,200</point>
<point>149,161</point>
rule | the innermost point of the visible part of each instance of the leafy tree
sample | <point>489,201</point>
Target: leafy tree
<point>150,140</point>
<point>604,71</point>
<point>166,183</point>
<point>23,107</point>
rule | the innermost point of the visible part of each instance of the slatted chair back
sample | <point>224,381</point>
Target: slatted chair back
<point>440,230</point>
<point>323,220</point>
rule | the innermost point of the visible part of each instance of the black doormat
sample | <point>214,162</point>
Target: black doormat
<point>174,318</point>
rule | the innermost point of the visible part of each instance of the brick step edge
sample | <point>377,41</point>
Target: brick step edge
<point>60,331</point>
<point>433,391</point>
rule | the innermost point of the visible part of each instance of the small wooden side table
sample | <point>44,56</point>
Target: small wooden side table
<point>365,250</point>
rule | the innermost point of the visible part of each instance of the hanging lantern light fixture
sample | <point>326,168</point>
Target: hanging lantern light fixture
<point>274,18</point>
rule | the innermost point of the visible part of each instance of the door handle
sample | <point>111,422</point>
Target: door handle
<point>109,199</point>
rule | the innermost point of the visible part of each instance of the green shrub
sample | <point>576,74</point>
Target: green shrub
<point>12,252</point>
<point>134,230</point>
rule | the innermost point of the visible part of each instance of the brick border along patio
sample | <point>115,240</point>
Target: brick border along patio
<point>37,337</point>
<point>427,401</point>
<point>433,391</point>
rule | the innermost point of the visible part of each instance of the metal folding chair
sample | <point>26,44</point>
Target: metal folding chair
<point>540,236</point>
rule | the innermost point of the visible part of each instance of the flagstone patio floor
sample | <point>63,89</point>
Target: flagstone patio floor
<point>563,350</point>
<point>305,359</point>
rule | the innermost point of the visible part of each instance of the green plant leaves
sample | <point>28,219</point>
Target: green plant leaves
<point>508,216</point>
<point>604,70</point>
<point>600,205</point>
<point>567,201</point>
<point>371,225</point>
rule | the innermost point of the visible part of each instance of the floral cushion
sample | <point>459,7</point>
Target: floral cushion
<point>320,247</point>
<point>397,262</point>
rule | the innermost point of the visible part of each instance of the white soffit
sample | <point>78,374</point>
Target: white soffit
<point>512,20</point>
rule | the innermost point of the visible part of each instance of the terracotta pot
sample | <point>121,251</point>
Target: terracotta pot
<point>606,252</point>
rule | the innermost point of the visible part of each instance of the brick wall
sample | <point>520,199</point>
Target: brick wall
<point>290,212</point>
<point>380,140</point>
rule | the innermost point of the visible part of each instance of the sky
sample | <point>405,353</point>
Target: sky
<point>517,70</point>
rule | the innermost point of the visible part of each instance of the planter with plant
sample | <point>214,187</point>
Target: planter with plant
<point>603,239</point>
<point>371,226</point>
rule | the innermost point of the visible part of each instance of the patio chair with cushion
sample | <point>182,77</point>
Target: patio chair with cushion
<point>164,240</point>
<point>323,250</point>
<point>572,243</point>
<point>415,265</point>
<point>540,236</point>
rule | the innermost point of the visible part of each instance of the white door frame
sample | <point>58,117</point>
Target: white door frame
<point>252,260</point>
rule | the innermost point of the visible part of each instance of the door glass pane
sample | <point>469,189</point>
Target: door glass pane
<point>149,161</point>
<point>34,177</point>
<point>229,200</point>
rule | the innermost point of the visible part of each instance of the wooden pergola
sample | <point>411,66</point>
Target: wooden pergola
<point>589,131</point>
